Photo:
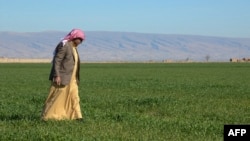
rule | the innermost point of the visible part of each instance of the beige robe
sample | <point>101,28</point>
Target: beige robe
<point>63,101</point>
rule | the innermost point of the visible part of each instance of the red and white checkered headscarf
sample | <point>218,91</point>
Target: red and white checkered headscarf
<point>75,33</point>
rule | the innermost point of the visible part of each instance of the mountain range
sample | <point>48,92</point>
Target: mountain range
<point>126,46</point>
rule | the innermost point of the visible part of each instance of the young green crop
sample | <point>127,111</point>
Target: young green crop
<point>129,101</point>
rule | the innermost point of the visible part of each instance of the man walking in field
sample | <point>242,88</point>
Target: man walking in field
<point>63,99</point>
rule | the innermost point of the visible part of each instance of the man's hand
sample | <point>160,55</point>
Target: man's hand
<point>57,80</point>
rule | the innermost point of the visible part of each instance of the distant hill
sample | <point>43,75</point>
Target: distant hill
<point>125,46</point>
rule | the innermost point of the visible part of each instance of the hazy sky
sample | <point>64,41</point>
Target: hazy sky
<point>228,18</point>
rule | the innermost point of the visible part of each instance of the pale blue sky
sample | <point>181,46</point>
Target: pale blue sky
<point>227,18</point>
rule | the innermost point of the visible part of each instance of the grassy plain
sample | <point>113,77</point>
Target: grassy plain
<point>129,102</point>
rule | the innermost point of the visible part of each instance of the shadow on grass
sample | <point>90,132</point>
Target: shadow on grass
<point>16,117</point>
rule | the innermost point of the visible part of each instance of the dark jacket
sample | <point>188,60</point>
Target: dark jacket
<point>63,63</point>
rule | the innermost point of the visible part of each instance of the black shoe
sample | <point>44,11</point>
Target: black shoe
<point>80,120</point>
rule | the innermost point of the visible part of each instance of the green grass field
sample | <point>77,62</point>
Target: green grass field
<point>147,102</point>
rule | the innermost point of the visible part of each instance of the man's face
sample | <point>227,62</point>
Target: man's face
<point>77,41</point>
